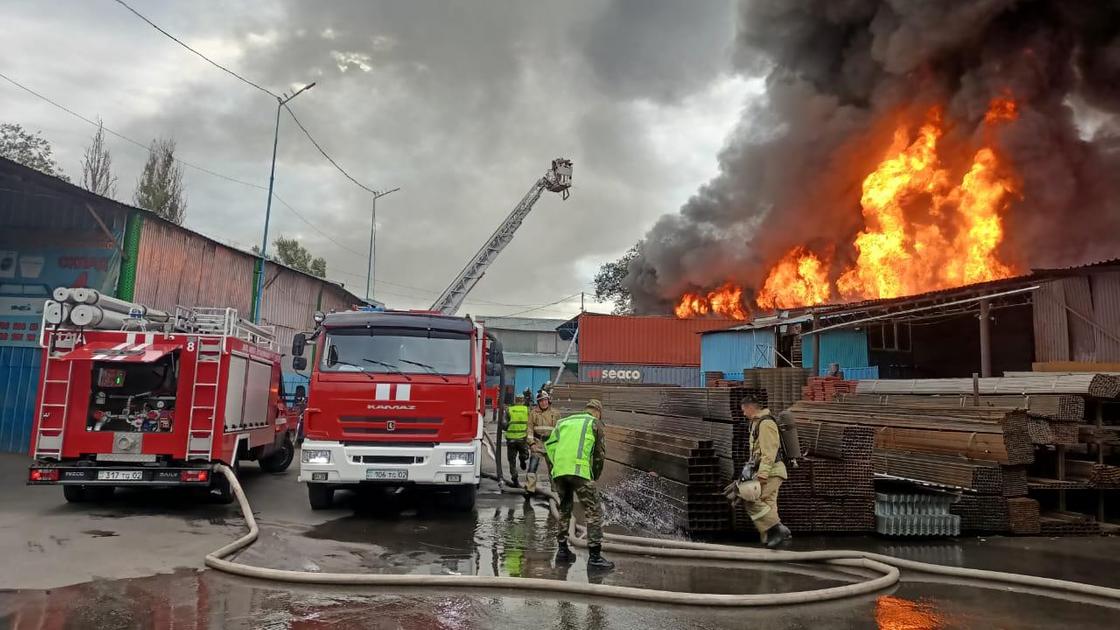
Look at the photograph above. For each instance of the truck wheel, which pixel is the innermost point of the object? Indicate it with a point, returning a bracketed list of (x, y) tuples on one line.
[(463, 498), (320, 496), (279, 461), (220, 490), (74, 494)]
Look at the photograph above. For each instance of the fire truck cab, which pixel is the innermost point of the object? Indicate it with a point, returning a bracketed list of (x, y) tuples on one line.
[(157, 404), (396, 398)]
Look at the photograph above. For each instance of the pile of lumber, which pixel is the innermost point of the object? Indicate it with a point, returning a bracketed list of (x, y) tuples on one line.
[(827, 388)]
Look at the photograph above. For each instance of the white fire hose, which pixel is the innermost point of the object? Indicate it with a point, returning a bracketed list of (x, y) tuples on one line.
[(886, 566)]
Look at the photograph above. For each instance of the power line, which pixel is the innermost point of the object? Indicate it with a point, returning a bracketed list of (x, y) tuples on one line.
[(257, 86), (324, 153), (204, 57), (541, 306)]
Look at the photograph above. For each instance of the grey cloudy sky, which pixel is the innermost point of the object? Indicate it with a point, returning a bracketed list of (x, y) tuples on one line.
[(461, 104)]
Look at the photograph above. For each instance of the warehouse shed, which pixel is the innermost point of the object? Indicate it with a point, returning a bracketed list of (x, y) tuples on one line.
[(53, 233)]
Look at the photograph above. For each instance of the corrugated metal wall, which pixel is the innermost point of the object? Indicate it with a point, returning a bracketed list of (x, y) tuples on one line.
[(1078, 319), (733, 351), (177, 267), (19, 382), (624, 374), (846, 347), (644, 340)]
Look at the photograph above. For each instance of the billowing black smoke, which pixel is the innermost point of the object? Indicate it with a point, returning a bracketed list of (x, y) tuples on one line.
[(839, 73)]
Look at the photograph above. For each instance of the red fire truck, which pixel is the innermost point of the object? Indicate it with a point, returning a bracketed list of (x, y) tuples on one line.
[(396, 398), (131, 396)]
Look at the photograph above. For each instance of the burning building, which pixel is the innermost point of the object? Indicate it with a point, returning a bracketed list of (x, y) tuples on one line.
[(900, 148)]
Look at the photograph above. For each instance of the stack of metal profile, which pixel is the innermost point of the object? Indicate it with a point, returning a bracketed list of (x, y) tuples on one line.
[(915, 514)]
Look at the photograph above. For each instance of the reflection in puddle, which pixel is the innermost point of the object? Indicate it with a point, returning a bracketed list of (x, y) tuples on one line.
[(896, 613)]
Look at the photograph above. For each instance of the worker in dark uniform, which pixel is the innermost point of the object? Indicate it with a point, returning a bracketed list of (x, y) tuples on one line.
[(766, 466), (577, 452), (517, 428)]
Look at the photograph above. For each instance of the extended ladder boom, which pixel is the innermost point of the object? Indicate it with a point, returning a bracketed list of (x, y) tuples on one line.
[(557, 179)]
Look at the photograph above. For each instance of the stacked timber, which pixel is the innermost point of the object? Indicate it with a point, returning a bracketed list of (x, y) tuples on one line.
[(827, 388), (981, 451), (831, 490)]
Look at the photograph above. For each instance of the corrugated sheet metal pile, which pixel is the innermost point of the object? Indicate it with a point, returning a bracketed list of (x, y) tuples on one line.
[(671, 449)]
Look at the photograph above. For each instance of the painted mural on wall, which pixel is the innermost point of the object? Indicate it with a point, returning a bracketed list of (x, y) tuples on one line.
[(34, 262)]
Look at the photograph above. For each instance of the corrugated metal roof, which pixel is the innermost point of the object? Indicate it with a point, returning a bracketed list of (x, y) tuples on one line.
[(645, 340), (531, 359), (529, 324)]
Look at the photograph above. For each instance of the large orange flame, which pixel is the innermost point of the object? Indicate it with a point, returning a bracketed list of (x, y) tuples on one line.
[(925, 228), (726, 301), (800, 278)]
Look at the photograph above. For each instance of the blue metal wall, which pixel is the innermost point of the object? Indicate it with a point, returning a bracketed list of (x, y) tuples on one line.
[(531, 378), (733, 351), (19, 382), (846, 347)]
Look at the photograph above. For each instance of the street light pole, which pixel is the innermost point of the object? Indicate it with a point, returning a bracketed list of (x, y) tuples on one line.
[(281, 101), (370, 277)]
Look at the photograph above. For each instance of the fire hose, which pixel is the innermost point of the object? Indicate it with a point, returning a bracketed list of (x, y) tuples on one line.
[(887, 568)]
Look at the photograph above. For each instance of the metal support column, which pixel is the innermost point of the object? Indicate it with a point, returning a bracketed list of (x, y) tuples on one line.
[(816, 349), (985, 338)]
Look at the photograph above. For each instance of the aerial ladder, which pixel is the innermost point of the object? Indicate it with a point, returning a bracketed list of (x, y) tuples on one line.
[(558, 178)]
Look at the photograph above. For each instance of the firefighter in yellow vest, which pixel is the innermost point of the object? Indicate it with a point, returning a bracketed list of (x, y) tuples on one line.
[(577, 451), (517, 428), (765, 466), (542, 419)]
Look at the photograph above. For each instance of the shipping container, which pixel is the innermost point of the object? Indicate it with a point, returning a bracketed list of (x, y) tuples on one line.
[(631, 374), (644, 340)]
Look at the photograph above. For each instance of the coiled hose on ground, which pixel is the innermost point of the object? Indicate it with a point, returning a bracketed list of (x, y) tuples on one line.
[(886, 568)]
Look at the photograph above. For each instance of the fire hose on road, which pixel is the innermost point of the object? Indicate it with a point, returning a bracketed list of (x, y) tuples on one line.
[(886, 567)]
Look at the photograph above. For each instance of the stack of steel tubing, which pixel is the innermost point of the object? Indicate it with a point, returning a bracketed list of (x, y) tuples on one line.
[(1087, 384), (1068, 524), (783, 386), (984, 477)]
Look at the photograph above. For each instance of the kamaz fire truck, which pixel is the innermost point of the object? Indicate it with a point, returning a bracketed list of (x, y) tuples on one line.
[(399, 397), (131, 396), (396, 398)]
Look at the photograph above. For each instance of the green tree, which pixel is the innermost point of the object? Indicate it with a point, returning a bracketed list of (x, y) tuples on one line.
[(288, 251), (29, 149), (160, 188), (97, 166), (609, 285)]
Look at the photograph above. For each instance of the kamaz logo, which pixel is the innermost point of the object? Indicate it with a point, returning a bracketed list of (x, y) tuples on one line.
[(391, 407), (391, 425)]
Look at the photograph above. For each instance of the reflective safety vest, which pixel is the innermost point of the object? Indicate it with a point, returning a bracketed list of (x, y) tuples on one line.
[(570, 446), (518, 422)]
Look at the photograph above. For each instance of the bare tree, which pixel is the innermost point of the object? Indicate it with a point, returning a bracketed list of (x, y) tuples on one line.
[(97, 166), (160, 188)]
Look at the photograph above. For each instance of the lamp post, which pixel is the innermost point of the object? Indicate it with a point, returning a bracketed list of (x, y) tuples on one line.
[(281, 101), (370, 277)]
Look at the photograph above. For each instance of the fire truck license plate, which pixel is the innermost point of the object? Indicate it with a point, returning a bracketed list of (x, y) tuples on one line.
[(120, 475), (390, 475)]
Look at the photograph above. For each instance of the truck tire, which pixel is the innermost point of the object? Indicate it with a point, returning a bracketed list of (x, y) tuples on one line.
[(74, 494), (279, 461), (320, 496), (220, 490), (462, 498)]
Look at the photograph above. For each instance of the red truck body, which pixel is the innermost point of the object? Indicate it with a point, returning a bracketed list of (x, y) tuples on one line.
[(396, 398), (119, 408)]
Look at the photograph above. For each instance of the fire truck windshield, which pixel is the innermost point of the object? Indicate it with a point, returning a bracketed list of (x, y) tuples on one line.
[(397, 350)]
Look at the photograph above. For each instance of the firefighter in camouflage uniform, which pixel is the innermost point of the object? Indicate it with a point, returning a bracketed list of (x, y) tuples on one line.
[(577, 451)]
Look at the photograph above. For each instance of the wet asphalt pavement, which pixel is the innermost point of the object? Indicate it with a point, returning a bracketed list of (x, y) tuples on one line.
[(137, 563)]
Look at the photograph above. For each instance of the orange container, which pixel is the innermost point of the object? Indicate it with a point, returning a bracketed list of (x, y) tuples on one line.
[(644, 340)]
